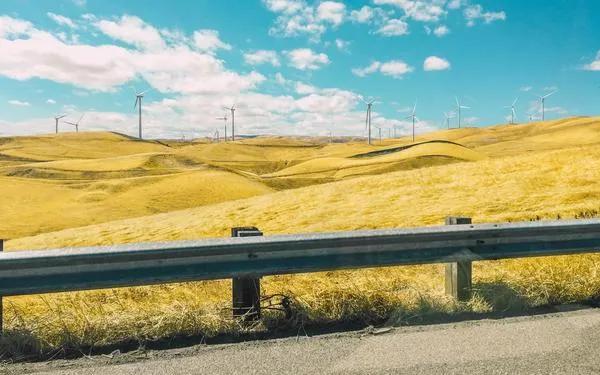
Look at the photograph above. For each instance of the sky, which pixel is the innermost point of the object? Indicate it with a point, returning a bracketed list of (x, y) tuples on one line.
[(293, 67)]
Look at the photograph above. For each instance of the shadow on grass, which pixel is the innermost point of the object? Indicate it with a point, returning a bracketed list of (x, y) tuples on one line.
[(499, 299)]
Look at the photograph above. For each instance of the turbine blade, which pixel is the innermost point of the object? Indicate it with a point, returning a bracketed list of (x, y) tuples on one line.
[(144, 92), (465, 107), (515, 102), (137, 98), (457, 102), (547, 95), (415, 107)]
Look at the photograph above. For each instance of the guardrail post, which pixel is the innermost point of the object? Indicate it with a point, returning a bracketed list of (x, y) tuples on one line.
[(458, 274), (246, 290)]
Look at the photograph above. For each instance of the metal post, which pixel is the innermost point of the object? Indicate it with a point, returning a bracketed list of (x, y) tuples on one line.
[(246, 290), (458, 274)]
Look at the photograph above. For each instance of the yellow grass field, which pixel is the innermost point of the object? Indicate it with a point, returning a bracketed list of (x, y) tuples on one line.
[(55, 192)]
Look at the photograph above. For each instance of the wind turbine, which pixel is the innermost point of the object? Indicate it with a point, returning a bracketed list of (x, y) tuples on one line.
[(138, 99), (232, 109), (56, 118), (379, 129), (413, 116), (543, 102), (447, 117), (459, 107), (225, 126), (368, 118), (75, 124), (513, 113)]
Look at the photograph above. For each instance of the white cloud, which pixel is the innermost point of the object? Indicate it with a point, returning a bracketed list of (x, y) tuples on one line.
[(363, 15), (18, 103), (303, 89), (526, 88), (13, 27), (283, 6), (51, 101), (175, 68), (557, 110), (331, 11), (395, 68), (419, 10), (79, 3), (306, 59), (433, 63), (341, 44), (594, 65), (279, 78), (440, 31), (262, 57), (296, 17), (372, 68), (470, 120), (393, 27), (132, 30), (475, 12), (62, 20), (208, 40), (455, 4)]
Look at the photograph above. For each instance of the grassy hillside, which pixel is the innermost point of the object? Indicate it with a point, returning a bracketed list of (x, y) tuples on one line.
[(505, 173)]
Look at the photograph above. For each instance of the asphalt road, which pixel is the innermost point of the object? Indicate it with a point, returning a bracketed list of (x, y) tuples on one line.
[(557, 343)]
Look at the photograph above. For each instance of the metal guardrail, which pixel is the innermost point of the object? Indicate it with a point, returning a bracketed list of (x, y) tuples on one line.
[(70, 269)]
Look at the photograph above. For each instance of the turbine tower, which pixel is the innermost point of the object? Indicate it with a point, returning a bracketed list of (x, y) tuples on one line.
[(75, 124), (513, 113), (232, 109), (413, 116), (225, 126), (368, 118), (543, 103), (56, 118), (138, 99), (459, 107)]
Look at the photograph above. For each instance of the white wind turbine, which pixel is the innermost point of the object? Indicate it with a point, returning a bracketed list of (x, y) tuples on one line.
[(368, 118), (75, 124), (447, 117), (225, 126), (543, 102), (513, 113), (56, 118), (232, 109), (459, 107), (379, 129), (414, 117), (138, 102)]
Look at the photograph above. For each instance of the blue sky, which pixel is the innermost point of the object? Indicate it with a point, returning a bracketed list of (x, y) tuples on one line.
[(293, 66)]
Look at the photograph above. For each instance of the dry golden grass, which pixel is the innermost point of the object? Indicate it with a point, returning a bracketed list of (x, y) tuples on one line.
[(552, 176)]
